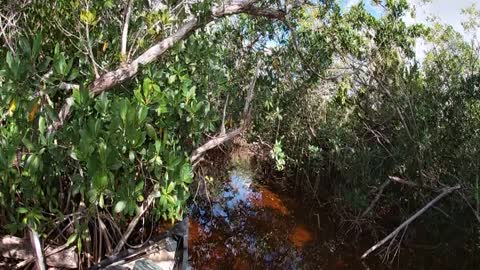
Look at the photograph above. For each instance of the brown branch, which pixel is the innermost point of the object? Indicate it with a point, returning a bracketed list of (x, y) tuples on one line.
[(445, 192), (125, 72)]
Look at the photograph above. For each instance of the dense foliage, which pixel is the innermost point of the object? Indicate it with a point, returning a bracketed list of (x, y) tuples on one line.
[(338, 94)]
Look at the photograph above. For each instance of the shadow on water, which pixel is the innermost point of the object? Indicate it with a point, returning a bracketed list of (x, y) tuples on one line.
[(249, 226)]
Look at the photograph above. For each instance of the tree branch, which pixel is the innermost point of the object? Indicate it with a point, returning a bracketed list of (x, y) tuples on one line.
[(445, 192), (37, 249), (123, 50), (90, 51), (224, 137), (127, 71)]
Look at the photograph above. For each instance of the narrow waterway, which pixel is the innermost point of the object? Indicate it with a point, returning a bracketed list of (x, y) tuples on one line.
[(249, 226)]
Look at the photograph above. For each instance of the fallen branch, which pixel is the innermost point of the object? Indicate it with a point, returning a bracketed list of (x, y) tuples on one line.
[(445, 192)]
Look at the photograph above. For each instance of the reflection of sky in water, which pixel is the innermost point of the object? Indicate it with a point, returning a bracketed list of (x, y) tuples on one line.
[(236, 193), (227, 224), (238, 190)]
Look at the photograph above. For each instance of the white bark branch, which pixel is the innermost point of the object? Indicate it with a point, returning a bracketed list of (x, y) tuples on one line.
[(377, 197), (215, 142), (445, 192), (89, 49), (37, 249), (126, 22)]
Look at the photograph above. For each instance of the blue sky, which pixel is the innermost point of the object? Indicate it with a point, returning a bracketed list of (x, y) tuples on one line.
[(369, 6)]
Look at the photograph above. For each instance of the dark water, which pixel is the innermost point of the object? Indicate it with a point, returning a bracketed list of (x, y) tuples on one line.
[(249, 226)]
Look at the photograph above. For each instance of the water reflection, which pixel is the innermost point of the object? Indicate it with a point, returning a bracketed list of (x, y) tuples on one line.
[(246, 226)]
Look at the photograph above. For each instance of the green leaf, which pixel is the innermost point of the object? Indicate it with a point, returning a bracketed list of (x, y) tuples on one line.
[(12, 64), (101, 201), (25, 45), (151, 131), (28, 144), (100, 180), (79, 245), (142, 113), (22, 210), (73, 75), (186, 173), (119, 206), (41, 124), (138, 95), (131, 156), (172, 79), (37, 43), (87, 17), (33, 163), (51, 113), (170, 187), (71, 239), (123, 109), (139, 186)]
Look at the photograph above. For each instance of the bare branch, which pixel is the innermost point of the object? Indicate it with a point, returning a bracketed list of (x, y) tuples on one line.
[(402, 181), (37, 249), (215, 142), (377, 197), (89, 49), (222, 128), (445, 192), (126, 22)]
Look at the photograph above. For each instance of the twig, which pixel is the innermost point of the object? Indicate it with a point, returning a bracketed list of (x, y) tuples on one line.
[(126, 22), (3, 28), (47, 254), (445, 192), (68, 86)]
